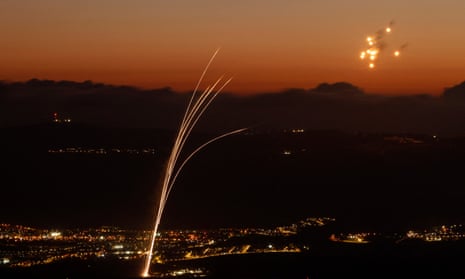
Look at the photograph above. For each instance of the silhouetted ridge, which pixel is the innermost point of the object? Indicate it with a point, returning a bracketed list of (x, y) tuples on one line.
[(66, 87), (454, 92), (338, 106), (338, 87)]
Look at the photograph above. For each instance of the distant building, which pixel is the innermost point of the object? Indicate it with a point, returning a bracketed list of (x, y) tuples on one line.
[(56, 119)]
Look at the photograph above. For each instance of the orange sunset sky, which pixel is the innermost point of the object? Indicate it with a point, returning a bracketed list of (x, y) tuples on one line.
[(267, 45)]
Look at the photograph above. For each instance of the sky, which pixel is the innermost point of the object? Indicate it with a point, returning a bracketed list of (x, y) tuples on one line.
[(266, 45)]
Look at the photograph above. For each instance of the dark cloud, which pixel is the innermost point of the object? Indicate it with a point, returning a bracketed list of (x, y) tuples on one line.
[(340, 106)]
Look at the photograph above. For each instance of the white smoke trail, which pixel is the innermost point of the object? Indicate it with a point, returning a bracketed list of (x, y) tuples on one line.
[(194, 110)]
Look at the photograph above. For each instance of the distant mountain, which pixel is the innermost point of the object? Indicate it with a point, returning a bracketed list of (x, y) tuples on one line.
[(338, 88), (340, 106), (455, 92)]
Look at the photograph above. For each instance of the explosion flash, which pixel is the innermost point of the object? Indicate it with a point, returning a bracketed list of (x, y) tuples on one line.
[(376, 44), (196, 107)]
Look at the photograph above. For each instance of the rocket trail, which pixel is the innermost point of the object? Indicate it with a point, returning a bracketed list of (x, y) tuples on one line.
[(195, 109), (200, 148)]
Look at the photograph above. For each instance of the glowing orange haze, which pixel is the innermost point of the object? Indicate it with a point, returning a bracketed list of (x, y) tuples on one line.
[(266, 45)]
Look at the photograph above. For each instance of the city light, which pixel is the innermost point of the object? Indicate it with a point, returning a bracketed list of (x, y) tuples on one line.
[(35, 247)]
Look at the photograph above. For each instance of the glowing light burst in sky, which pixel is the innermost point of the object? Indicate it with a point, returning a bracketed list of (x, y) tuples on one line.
[(376, 44), (196, 107)]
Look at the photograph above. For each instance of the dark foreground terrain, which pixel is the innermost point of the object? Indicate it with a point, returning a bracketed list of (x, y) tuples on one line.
[(409, 259), (76, 175)]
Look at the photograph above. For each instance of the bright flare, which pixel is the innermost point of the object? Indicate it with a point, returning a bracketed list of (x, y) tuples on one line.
[(376, 44)]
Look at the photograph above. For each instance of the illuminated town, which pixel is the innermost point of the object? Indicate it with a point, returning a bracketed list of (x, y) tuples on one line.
[(43, 246), (23, 247), (103, 151)]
